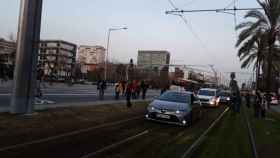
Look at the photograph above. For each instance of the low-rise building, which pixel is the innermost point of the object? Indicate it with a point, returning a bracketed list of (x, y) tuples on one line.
[(7, 57), (7, 52), (153, 59), (57, 58)]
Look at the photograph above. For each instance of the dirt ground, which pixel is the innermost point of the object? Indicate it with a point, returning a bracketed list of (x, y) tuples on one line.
[(161, 141), (16, 129)]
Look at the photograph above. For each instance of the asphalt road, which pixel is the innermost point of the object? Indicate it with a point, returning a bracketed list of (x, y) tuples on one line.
[(61, 93)]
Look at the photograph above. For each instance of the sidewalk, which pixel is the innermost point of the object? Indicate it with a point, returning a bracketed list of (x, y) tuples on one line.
[(81, 104)]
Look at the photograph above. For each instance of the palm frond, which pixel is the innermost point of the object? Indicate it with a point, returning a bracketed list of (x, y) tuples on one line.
[(257, 15), (246, 63)]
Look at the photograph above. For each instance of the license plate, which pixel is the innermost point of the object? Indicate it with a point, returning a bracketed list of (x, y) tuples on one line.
[(163, 116)]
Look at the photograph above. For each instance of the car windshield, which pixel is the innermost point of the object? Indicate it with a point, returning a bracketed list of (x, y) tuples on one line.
[(206, 93), (224, 94), (174, 97)]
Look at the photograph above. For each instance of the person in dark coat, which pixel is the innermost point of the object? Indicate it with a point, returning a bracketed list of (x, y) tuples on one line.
[(247, 98), (101, 86), (257, 105), (128, 92), (235, 93), (144, 88)]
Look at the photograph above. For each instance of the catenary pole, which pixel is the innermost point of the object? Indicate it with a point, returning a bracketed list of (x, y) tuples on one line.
[(27, 56)]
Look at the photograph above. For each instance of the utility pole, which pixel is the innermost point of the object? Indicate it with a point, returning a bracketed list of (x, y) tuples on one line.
[(27, 56)]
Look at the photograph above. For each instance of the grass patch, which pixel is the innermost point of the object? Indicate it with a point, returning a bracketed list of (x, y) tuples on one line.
[(229, 139), (164, 141), (267, 132)]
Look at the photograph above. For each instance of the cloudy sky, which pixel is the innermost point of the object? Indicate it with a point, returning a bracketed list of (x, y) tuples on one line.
[(85, 22)]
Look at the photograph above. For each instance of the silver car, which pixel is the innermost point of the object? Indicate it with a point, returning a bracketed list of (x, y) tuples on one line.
[(174, 107)]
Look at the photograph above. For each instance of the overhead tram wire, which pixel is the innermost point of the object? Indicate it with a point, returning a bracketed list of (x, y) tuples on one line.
[(211, 10), (189, 26)]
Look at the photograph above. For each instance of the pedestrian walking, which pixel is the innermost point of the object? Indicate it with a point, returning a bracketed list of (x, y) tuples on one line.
[(123, 88), (235, 93), (268, 99), (138, 89), (101, 86), (248, 99), (257, 105), (40, 75), (144, 88), (128, 92), (134, 87), (265, 104), (117, 90)]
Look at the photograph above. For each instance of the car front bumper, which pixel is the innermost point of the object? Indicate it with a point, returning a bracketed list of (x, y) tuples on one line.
[(180, 119)]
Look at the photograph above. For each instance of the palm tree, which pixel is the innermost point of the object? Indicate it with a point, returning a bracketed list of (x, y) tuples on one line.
[(259, 37), (252, 49)]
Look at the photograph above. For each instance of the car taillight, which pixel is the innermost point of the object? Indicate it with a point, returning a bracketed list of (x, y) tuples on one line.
[(214, 99)]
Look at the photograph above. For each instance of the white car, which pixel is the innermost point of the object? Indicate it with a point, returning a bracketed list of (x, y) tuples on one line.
[(208, 97)]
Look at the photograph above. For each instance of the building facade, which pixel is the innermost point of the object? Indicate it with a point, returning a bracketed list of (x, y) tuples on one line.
[(57, 58), (7, 58), (90, 57), (153, 59)]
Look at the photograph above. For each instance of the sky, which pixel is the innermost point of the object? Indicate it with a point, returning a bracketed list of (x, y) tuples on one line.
[(86, 22)]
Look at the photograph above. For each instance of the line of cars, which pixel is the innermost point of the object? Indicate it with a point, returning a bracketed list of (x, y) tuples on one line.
[(182, 107)]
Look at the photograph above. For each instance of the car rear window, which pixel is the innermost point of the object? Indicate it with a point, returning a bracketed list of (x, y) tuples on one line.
[(175, 97), (206, 93)]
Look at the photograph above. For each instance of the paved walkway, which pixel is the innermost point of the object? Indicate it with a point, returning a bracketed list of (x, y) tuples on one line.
[(50, 106)]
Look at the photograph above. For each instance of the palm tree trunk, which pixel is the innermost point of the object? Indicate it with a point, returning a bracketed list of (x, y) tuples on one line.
[(257, 73), (269, 65)]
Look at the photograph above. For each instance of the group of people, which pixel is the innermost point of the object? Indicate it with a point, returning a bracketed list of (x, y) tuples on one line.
[(261, 103), (128, 89), (131, 90), (261, 100)]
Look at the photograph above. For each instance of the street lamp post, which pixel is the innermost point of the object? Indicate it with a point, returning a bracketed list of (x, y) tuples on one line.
[(107, 48)]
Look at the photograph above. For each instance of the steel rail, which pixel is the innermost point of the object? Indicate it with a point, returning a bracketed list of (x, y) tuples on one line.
[(251, 135), (197, 143)]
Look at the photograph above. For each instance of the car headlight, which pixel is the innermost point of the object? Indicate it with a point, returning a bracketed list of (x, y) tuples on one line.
[(178, 112), (228, 99), (152, 108)]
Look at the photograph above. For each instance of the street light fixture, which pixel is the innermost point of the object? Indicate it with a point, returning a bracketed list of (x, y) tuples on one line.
[(107, 48)]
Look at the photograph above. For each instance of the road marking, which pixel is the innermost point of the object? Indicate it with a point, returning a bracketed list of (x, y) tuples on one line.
[(60, 94), (116, 144), (67, 134), (71, 94)]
